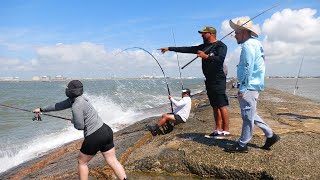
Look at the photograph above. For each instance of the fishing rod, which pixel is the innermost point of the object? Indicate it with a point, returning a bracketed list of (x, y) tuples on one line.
[(37, 116), (174, 40), (296, 86), (212, 46), (164, 75)]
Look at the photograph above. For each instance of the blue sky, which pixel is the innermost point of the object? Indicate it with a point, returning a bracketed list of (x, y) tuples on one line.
[(80, 39)]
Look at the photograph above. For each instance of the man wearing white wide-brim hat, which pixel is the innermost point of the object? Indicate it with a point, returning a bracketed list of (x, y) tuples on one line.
[(250, 74)]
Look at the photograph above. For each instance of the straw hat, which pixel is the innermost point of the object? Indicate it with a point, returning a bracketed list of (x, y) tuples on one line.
[(243, 24)]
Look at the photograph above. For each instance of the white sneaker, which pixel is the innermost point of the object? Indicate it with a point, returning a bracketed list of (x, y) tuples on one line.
[(223, 135), (214, 134)]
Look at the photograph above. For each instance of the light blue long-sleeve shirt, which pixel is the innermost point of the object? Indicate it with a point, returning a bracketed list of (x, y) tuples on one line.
[(251, 68)]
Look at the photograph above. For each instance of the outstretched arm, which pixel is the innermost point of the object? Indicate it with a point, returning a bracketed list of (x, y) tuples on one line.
[(190, 49), (55, 107)]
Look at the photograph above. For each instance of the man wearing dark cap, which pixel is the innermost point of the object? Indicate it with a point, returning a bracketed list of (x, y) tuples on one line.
[(213, 53)]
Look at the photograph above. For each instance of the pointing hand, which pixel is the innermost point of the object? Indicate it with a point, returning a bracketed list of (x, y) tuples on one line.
[(163, 50)]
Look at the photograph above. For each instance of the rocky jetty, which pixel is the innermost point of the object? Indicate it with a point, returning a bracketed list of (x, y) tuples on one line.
[(186, 154)]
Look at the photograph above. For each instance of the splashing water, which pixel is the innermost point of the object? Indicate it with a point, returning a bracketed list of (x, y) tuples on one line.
[(119, 103)]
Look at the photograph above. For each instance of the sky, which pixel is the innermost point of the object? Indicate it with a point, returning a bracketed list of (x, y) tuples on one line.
[(86, 39)]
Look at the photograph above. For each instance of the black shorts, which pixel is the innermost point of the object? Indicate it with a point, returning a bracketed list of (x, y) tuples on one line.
[(217, 100), (100, 140), (178, 119)]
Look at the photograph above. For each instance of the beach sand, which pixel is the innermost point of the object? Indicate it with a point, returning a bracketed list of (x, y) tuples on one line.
[(186, 154)]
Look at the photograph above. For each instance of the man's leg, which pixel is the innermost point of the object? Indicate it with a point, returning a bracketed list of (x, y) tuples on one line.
[(218, 123), (263, 126), (155, 129), (248, 111), (225, 118), (217, 118), (213, 99), (165, 118), (272, 138)]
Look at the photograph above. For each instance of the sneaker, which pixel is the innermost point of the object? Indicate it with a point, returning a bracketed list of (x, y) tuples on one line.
[(212, 135), (167, 128), (223, 135), (270, 141), (153, 129), (237, 149)]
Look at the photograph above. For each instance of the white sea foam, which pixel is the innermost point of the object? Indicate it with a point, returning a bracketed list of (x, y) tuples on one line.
[(116, 105), (36, 147), (112, 114)]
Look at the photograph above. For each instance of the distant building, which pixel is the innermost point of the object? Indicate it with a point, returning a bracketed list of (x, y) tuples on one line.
[(45, 78), (9, 79), (152, 77), (59, 78), (146, 77), (16, 78), (35, 78)]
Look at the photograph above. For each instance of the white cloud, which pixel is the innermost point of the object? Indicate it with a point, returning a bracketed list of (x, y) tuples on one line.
[(291, 35), (94, 60), (84, 53), (287, 37), (8, 62), (293, 26), (12, 64), (34, 62)]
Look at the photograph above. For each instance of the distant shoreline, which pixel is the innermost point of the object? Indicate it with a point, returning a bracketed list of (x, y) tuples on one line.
[(137, 78)]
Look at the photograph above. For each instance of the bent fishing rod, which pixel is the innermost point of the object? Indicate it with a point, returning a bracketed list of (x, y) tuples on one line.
[(296, 87), (212, 46), (37, 117), (174, 40), (164, 75)]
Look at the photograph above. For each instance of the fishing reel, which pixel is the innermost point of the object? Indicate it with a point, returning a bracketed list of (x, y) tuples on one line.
[(37, 117)]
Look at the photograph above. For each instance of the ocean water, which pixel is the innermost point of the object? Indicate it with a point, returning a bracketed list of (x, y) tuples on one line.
[(307, 87), (119, 103)]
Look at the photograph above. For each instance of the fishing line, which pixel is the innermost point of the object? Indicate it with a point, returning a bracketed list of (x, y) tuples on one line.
[(31, 111), (164, 75), (212, 46), (174, 40)]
